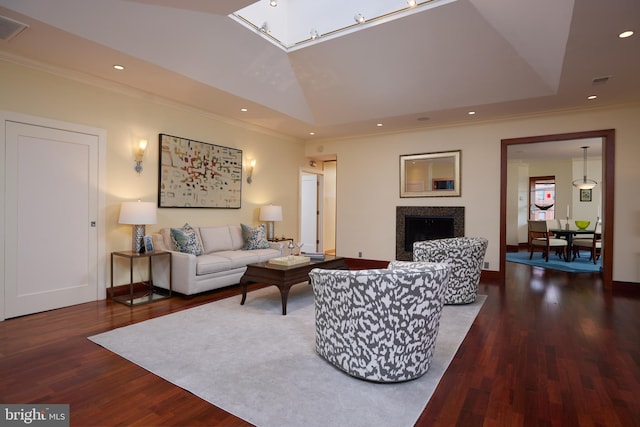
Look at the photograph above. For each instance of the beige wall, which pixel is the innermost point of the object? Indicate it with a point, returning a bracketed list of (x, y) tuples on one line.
[(367, 167), (368, 180), (127, 115)]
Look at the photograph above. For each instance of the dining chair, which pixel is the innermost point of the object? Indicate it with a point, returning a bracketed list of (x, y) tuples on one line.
[(593, 244), (541, 240)]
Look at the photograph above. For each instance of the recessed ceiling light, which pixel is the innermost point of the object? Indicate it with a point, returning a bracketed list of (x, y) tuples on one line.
[(592, 96), (625, 34), (379, 125), (119, 67), (471, 113), (244, 110), (412, 3), (312, 133)]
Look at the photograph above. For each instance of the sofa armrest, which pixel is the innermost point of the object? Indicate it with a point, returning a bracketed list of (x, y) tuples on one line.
[(183, 269)]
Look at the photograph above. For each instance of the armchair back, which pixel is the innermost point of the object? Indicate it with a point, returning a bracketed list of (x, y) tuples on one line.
[(464, 255), (380, 325)]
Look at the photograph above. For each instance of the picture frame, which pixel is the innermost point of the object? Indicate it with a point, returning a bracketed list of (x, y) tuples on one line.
[(195, 174), (430, 174), (148, 243), (585, 194)]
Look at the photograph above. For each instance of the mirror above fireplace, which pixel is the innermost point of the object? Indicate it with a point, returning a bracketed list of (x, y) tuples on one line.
[(430, 174)]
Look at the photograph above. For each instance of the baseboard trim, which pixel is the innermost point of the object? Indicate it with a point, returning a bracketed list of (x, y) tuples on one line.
[(631, 288), (364, 264)]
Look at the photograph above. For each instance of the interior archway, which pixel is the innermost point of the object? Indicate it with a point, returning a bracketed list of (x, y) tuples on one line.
[(608, 162)]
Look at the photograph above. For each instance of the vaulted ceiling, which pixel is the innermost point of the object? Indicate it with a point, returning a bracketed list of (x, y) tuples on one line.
[(498, 58)]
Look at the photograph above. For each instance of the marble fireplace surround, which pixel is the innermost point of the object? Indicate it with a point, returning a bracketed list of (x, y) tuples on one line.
[(427, 211)]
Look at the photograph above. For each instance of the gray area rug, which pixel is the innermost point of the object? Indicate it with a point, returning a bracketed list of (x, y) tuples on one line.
[(262, 367)]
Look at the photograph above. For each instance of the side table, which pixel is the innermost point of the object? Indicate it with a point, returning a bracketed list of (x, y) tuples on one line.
[(152, 293)]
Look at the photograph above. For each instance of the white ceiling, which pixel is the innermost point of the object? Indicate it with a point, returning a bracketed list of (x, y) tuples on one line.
[(500, 58), (555, 150)]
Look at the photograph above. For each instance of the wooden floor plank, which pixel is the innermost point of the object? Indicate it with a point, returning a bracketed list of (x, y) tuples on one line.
[(548, 348)]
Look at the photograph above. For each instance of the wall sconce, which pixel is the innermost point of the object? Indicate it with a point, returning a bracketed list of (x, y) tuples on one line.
[(252, 164), (139, 151)]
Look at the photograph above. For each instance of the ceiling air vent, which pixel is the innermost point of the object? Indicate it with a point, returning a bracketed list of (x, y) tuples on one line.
[(10, 28), (600, 80)]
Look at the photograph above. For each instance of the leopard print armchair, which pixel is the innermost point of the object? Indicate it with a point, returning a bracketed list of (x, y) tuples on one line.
[(465, 255), (379, 325)]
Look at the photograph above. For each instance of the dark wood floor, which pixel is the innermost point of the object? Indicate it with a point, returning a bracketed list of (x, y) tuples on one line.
[(547, 349)]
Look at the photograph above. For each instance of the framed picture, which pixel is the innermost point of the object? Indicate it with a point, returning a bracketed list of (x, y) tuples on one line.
[(585, 194), (148, 244), (196, 174), (430, 174)]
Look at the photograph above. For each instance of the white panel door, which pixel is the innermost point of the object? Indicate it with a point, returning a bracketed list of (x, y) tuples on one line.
[(309, 212), (51, 207)]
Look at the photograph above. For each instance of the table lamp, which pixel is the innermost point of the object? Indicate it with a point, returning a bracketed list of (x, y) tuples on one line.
[(270, 213), (138, 214)]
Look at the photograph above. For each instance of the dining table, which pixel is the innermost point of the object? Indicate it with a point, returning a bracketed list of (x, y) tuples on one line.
[(569, 233)]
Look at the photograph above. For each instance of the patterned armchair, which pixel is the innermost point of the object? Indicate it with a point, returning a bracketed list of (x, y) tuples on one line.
[(465, 255), (379, 325)]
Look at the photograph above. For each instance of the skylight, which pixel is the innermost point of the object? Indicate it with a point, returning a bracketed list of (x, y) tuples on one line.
[(294, 24)]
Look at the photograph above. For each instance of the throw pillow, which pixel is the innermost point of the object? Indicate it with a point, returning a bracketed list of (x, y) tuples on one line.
[(254, 237), (186, 240)]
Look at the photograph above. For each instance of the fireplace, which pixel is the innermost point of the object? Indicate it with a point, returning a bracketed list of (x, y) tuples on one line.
[(417, 223)]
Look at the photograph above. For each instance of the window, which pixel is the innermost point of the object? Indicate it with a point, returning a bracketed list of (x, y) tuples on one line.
[(542, 197)]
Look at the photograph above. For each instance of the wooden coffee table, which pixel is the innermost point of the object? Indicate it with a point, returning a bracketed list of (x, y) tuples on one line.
[(284, 277)]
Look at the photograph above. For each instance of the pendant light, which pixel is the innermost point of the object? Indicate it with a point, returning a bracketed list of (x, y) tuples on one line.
[(584, 183)]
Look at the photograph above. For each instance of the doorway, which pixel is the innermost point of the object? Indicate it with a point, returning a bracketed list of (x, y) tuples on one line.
[(608, 193), (310, 219), (318, 207)]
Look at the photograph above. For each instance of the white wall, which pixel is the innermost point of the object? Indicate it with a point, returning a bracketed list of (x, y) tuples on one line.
[(368, 180), (566, 195), (127, 115)]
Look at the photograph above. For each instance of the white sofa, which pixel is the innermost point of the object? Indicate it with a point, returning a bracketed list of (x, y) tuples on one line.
[(222, 263)]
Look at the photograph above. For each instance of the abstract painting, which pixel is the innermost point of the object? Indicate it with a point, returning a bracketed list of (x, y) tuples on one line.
[(196, 174)]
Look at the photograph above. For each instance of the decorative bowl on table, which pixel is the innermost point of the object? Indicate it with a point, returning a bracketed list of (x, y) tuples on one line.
[(582, 225)]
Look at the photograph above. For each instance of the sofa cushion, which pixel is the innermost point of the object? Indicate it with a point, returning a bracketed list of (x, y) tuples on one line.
[(186, 240), (239, 258), (254, 237), (212, 263), (215, 239), (236, 237)]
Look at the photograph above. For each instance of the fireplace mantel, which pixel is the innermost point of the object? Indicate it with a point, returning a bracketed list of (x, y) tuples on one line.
[(402, 212)]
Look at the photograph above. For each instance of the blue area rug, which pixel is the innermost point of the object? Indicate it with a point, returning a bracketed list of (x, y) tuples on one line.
[(580, 265)]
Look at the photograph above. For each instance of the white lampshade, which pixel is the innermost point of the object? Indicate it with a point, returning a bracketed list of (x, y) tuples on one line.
[(271, 213), (138, 213)]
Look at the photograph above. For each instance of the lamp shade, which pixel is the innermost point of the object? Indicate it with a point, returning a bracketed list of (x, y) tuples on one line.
[(138, 213), (271, 213)]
